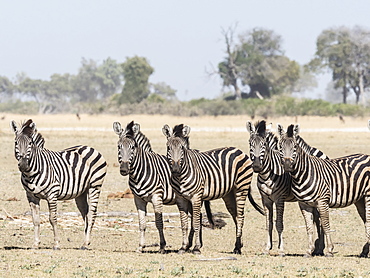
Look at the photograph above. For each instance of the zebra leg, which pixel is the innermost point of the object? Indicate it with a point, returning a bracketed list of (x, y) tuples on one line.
[(362, 207), (52, 203), (306, 211), (87, 204), (183, 206), (196, 202), (280, 225), (141, 209), (35, 210), (158, 210), (268, 206), (323, 208), (235, 204), (320, 241)]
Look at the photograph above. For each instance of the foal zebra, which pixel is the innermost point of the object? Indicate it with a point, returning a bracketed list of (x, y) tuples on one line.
[(275, 185), (199, 176), (329, 183), (149, 178), (74, 173)]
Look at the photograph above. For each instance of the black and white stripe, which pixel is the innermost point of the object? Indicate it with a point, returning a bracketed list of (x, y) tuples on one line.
[(75, 173), (149, 178), (333, 183), (275, 185), (198, 176)]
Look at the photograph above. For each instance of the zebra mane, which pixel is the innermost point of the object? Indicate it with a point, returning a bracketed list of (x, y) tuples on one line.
[(261, 128), (128, 131), (26, 129), (32, 133), (177, 132), (141, 140), (309, 149), (289, 131)]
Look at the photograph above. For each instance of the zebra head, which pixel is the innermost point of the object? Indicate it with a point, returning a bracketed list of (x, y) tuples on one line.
[(26, 140), (127, 147), (177, 143), (288, 146), (258, 143)]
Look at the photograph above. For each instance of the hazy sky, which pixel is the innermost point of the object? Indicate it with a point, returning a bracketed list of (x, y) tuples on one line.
[(179, 38)]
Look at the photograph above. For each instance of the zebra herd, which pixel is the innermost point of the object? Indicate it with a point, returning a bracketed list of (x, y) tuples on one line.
[(287, 168)]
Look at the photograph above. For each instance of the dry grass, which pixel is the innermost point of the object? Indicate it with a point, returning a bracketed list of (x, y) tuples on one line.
[(115, 236)]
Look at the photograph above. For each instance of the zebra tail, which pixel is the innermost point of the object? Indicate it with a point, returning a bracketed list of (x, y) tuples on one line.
[(255, 205), (207, 206)]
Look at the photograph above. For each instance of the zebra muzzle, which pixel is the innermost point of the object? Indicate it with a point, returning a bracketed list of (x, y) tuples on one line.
[(124, 169), (287, 163), (176, 167), (257, 166), (23, 165)]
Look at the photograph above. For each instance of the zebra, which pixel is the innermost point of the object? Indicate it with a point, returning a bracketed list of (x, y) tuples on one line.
[(329, 183), (74, 173), (274, 185), (149, 179), (201, 176)]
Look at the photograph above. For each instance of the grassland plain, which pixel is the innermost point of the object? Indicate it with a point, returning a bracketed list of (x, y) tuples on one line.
[(115, 236)]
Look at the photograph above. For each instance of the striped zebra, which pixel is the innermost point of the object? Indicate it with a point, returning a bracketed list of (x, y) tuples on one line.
[(275, 185), (149, 179), (202, 176), (74, 173), (329, 183)]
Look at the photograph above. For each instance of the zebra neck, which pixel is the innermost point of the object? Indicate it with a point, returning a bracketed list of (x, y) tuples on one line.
[(300, 164), (137, 163), (274, 162)]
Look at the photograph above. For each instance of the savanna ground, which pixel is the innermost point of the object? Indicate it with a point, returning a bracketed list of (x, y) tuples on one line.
[(115, 235)]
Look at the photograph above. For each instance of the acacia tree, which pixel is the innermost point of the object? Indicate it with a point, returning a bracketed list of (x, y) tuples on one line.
[(136, 73), (258, 62), (229, 69), (346, 53), (6, 87)]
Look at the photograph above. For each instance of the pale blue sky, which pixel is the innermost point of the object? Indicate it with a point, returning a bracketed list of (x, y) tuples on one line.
[(179, 38)]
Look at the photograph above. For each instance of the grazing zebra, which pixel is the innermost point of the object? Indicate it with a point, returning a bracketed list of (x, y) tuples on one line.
[(275, 185), (329, 183), (74, 173), (201, 176), (149, 178)]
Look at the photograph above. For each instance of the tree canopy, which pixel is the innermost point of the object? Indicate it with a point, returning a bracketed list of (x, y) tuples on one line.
[(258, 62), (345, 52), (136, 72)]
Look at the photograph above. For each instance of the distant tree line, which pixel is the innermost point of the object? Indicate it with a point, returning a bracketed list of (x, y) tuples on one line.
[(254, 66)]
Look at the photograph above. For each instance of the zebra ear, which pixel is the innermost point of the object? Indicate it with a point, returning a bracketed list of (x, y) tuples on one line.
[(167, 131), (296, 130), (136, 129), (13, 126), (186, 131), (250, 127), (33, 127), (269, 128), (117, 128), (280, 129), (368, 124)]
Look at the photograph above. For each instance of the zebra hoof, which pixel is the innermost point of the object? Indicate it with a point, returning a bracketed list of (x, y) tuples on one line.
[(237, 251), (307, 255), (162, 251), (181, 251), (83, 247), (329, 255), (56, 248), (196, 251), (363, 255)]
